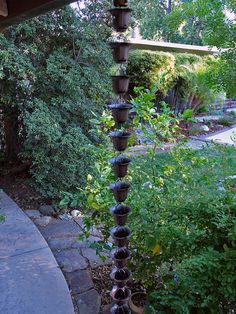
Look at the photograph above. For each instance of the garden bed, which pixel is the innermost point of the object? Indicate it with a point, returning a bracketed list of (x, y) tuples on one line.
[(19, 189)]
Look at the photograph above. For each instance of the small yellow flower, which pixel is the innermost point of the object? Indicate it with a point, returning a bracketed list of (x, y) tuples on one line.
[(89, 178), (160, 182), (157, 249)]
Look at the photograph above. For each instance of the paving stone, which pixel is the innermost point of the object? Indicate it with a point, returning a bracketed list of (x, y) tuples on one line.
[(93, 239), (66, 217), (95, 232), (70, 260), (30, 280), (33, 214), (32, 283), (60, 229), (94, 260), (79, 281), (107, 309), (18, 234), (89, 302), (79, 221), (43, 221), (70, 243), (86, 243), (47, 210), (62, 244)]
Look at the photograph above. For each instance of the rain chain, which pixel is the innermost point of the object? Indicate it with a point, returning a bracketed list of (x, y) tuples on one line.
[(120, 111)]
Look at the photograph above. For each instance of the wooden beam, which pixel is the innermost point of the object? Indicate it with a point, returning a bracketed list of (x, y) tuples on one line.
[(20, 10), (3, 8), (173, 47)]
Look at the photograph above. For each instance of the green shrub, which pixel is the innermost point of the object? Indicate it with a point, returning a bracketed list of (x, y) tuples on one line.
[(183, 222), (147, 68), (227, 121), (183, 226), (54, 80), (184, 78), (61, 155)]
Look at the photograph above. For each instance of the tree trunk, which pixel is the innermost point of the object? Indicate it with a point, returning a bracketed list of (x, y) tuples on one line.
[(11, 136)]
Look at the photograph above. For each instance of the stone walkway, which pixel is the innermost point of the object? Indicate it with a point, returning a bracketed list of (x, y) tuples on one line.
[(30, 280), (196, 142), (75, 258), (226, 137)]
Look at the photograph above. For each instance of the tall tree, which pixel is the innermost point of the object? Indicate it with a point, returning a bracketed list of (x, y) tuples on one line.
[(218, 18), (151, 17)]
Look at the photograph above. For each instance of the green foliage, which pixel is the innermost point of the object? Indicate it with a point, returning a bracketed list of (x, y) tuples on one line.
[(195, 22), (187, 79), (151, 17), (183, 226), (218, 20), (156, 127), (227, 120), (147, 68), (182, 221), (54, 78)]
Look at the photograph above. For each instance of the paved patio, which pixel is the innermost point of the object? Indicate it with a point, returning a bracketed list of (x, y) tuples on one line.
[(30, 280)]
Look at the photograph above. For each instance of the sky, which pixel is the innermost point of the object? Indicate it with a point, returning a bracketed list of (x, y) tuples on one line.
[(75, 4)]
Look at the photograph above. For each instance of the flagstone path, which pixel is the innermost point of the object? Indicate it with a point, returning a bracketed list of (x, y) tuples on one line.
[(30, 280), (226, 137), (74, 257)]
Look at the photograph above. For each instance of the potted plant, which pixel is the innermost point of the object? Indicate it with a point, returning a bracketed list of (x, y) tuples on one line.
[(121, 18), (137, 302), (120, 3), (120, 190), (120, 235), (120, 140), (120, 84), (120, 165), (120, 276), (121, 257), (120, 214), (120, 112), (120, 51)]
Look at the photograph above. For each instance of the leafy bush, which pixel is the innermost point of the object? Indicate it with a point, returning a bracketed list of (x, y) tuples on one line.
[(54, 79), (227, 120), (183, 222), (183, 227), (147, 68), (185, 80)]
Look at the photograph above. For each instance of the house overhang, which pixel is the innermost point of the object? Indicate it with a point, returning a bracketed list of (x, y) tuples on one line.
[(16, 11)]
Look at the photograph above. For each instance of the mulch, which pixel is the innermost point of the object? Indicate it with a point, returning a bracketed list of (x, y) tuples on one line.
[(213, 127), (19, 189)]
